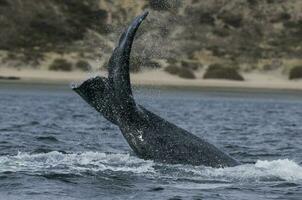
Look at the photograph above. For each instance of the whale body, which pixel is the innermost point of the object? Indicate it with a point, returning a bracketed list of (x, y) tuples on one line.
[(150, 136)]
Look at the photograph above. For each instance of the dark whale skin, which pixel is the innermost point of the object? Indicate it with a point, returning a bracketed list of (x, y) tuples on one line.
[(150, 136)]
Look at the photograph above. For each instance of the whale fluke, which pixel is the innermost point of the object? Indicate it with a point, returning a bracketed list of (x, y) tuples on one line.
[(149, 136), (120, 60)]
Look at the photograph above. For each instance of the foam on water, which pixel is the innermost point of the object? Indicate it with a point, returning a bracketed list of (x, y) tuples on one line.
[(74, 163), (275, 170), (78, 163)]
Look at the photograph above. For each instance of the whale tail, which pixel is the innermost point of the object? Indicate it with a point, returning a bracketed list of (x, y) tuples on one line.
[(119, 63), (112, 96)]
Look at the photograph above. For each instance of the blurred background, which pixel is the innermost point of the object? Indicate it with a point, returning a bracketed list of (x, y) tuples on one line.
[(252, 40)]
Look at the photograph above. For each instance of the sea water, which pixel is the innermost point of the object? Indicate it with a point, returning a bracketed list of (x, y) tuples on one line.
[(54, 146)]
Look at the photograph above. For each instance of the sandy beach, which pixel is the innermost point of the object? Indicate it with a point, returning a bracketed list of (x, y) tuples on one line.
[(158, 78)]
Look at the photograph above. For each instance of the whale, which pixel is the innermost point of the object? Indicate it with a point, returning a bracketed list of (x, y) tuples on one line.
[(150, 136)]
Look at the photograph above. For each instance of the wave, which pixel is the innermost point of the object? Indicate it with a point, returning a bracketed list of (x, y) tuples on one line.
[(95, 162)]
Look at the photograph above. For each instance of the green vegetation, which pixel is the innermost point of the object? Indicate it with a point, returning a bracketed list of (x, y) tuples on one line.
[(9, 78), (186, 73), (217, 71), (48, 24), (231, 19), (295, 73), (135, 64), (163, 5), (190, 64), (151, 64), (3, 3), (172, 69), (181, 72), (60, 65), (249, 32), (83, 65)]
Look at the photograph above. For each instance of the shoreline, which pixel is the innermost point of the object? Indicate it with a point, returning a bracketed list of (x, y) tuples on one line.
[(157, 79)]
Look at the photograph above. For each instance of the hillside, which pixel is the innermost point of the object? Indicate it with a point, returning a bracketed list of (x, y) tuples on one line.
[(247, 34)]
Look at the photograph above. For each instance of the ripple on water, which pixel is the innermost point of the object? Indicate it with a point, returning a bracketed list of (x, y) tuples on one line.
[(47, 138), (62, 121)]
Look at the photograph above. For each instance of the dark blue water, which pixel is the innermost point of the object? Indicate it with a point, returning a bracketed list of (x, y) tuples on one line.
[(54, 146)]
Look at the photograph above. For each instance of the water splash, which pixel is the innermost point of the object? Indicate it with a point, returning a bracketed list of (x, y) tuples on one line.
[(276, 170), (91, 162), (75, 163)]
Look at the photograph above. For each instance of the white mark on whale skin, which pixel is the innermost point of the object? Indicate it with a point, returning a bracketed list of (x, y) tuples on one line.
[(140, 136)]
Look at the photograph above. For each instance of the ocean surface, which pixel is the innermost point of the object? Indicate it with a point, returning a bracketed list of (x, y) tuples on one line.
[(54, 146)]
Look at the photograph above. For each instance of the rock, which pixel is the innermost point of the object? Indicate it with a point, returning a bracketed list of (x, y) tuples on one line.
[(217, 71), (60, 65), (296, 72)]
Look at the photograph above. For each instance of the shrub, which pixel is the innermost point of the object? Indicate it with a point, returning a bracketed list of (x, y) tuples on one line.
[(172, 61), (60, 65), (9, 78), (4, 3), (162, 5), (267, 67), (135, 64), (234, 20), (221, 32), (217, 51), (217, 71), (253, 2), (27, 25), (32, 57), (192, 65), (172, 70), (11, 56), (152, 64), (181, 72), (186, 73), (275, 64), (206, 18), (83, 65), (159, 4), (281, 17), (105, 65), (296, 72)]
